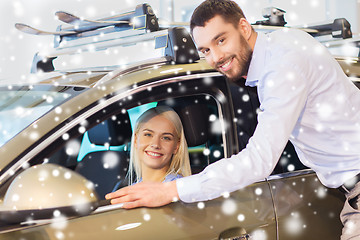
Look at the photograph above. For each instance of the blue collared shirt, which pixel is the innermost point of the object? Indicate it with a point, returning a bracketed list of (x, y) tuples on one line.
[(306, 98)]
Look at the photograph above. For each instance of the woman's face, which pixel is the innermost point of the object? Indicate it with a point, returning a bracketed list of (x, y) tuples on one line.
[(156, 142)]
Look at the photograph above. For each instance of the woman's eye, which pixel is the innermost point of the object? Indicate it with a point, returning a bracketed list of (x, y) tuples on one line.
[(167, 138), (147, 134)]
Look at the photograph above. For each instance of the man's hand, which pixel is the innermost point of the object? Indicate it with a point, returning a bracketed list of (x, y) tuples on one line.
[(145, 194)]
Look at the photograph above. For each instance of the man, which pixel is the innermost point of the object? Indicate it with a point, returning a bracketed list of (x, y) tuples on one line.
[(304, 97)]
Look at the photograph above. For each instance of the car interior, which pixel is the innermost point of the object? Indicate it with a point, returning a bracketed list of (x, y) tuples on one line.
[(102, 153)]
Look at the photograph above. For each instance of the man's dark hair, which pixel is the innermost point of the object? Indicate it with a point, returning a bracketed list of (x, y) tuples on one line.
[(229, 10)]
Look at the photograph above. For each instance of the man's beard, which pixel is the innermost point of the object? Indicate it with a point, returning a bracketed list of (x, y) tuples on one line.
[(244, 59), (244, 70)]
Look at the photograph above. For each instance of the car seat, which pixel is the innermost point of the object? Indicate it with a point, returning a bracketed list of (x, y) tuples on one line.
[(194, 115), (106, 167)]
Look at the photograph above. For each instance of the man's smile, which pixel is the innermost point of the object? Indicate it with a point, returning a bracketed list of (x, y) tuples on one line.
[(227, 65)]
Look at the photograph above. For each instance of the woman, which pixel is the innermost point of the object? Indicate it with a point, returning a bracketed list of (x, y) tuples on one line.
[(159, 150)]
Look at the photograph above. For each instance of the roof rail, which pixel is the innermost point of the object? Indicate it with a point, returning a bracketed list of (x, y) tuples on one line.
[(142, 18), (275, 17), (337, 44), (176, 43), (339, 28), (121, 30)]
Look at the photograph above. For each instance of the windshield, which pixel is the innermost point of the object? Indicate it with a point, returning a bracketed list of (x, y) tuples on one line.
[(22, 105)]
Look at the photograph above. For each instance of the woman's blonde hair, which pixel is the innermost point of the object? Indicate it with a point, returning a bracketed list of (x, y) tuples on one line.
[(180, 163)]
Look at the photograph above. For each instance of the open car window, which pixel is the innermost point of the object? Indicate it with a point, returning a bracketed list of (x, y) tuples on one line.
[(246, 104), (102, 153), (105, 131)]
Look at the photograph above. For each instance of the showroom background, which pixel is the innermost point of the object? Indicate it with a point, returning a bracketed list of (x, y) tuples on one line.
[(17, 49)]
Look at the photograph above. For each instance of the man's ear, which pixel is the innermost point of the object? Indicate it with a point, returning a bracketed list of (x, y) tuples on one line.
[(245, 28)]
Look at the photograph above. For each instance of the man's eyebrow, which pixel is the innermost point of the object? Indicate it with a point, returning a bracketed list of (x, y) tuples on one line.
[(217, 36), (212, 40)]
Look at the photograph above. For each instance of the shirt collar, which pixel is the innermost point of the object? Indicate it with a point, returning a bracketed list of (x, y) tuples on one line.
[(257, 62)]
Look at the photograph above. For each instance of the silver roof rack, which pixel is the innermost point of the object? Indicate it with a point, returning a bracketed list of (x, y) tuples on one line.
[(333, 34), (125, 29), (339, 28)]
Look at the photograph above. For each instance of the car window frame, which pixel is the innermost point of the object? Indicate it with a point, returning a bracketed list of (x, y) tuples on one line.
[(218, 90)]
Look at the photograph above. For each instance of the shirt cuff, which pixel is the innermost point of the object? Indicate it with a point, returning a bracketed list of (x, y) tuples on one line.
[(188, 188)]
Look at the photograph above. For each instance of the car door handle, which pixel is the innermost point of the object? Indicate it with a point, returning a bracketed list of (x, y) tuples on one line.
[(235, 233), (243, 237)]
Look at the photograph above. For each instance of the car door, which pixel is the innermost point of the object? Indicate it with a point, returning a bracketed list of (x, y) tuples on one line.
[(234, 215), (305, 209)]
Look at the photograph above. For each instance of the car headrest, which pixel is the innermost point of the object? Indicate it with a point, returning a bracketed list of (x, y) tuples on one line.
[(194, 117), (115, 131), (195, 120)]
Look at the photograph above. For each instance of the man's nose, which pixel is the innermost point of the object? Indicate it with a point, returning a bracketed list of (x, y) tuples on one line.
[(217, 55)]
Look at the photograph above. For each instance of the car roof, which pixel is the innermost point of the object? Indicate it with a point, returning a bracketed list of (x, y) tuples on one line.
[(92, 77)]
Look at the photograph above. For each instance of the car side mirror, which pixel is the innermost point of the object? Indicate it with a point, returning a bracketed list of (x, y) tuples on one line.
[(47, 191)]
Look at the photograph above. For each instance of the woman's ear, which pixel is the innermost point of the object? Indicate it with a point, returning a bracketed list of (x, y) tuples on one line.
[(135, 138), (177, 147)]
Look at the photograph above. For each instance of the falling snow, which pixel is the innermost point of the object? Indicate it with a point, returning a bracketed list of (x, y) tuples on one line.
[(294, 224), (110, 160), (17, 58), (201, 205), (229, 207), (72, 148)]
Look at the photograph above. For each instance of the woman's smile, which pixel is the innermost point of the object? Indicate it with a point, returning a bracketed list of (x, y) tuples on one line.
[(153, 154)]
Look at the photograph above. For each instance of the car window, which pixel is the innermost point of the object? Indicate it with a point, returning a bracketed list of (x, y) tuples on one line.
[(246, 105), (102, 153), (105, 132), (21, 106), (288, 161)]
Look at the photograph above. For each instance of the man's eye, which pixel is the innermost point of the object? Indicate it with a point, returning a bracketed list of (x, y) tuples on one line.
[(205, 51), (221, 41)]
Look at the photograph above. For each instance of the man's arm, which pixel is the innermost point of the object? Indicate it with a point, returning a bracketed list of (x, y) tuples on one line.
[(145, 194), (284, 93)]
